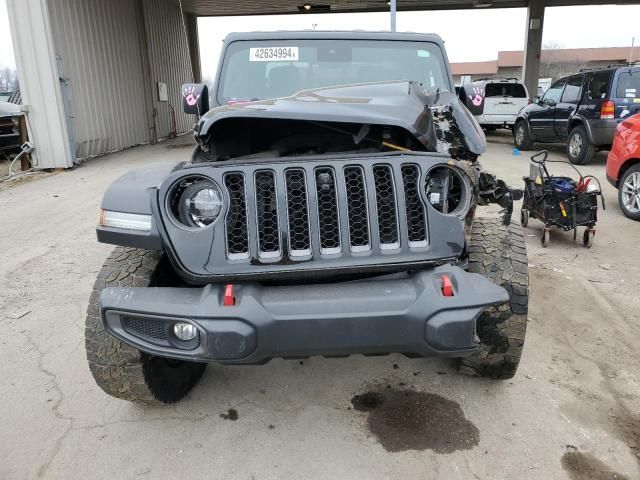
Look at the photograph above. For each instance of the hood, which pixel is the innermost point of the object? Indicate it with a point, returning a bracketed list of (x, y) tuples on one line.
[(9, 109), (438, 120)]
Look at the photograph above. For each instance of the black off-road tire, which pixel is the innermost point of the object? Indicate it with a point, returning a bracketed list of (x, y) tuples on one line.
[(587, 150), (499, 253), (119, 369), (522, 142)]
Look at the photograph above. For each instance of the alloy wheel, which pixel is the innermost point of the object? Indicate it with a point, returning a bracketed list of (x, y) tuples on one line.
[(575, 145), (519, 135), (631, 193)]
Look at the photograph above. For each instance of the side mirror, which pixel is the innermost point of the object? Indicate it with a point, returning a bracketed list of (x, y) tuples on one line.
[(537, 99), (195, 98)]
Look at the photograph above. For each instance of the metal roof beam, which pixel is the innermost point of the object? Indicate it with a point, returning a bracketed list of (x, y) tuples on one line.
[(291, 7)]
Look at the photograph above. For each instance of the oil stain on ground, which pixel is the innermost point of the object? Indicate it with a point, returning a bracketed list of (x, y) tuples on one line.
[(584, 466), (627, 424), (628, 427), (408, 420), (232, 414)]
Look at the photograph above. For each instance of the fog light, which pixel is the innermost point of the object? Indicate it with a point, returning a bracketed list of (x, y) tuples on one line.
[(185, 331)]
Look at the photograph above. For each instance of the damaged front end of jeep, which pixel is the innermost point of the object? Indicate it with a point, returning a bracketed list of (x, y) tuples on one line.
[(331, 222), (364, 194)]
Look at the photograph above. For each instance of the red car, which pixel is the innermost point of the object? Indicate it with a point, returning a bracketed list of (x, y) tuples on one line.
[(623, 166)]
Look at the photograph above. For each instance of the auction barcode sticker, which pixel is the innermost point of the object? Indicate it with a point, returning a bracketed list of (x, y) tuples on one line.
[(269, 54)]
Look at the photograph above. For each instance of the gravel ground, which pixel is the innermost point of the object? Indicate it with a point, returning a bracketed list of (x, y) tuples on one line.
[(571, 412)]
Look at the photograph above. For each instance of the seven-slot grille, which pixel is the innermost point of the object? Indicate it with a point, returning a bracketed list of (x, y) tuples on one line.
[(346, 209)]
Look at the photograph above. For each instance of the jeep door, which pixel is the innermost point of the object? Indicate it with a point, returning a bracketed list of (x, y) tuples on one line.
[(541, 119), (568, 105)]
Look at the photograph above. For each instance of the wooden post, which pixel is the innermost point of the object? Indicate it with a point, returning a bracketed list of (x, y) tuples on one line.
[(25, 160)]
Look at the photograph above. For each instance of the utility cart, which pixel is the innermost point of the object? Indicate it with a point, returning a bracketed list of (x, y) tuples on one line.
[(560, 202)]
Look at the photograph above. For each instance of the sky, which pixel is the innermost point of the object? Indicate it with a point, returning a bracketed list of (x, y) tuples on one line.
[(469, 35)]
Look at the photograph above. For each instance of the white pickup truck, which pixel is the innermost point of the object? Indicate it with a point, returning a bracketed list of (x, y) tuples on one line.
[(495, 102)]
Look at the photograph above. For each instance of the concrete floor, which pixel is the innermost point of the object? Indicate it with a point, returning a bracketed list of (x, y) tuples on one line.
[(572, 411)]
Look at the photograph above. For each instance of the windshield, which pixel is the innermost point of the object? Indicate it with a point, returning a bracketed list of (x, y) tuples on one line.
[(256, 70)]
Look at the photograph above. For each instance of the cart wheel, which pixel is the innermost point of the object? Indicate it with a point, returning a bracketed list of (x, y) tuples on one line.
[(545, 238), (524, 218), (587, 238)]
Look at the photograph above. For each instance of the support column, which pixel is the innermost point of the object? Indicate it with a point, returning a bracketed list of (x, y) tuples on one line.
[(40, 82), (533, 45), (191, 23), (392, 13)]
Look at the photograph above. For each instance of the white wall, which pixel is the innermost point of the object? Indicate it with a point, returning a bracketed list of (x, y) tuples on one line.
[(102, 55), (35, 61), (113, 53), (169, 60)]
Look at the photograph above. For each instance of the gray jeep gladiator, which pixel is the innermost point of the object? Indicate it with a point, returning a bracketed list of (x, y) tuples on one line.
[(327, 209)]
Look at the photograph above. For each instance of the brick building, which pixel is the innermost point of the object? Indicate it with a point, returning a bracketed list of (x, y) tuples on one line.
[(553, 63)]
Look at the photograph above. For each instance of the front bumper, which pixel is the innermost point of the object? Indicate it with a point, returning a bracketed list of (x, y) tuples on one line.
[(399, 314)]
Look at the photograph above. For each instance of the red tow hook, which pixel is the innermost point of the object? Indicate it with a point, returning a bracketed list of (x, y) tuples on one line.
[(447, 286), (229, 298)]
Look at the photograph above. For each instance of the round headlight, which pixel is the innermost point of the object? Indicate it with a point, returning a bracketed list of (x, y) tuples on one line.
[(448, 190), (200, 204)]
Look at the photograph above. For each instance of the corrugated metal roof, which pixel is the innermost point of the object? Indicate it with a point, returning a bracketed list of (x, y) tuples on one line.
[(270, 7)]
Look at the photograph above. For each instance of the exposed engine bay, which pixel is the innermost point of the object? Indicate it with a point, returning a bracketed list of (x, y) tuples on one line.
[(381, 116), (263, 138)]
